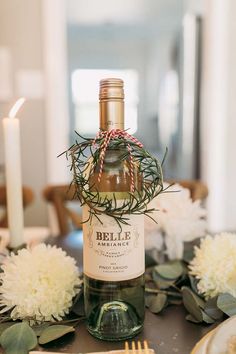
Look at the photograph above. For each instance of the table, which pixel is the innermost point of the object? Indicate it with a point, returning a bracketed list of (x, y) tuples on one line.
[(166, 333)]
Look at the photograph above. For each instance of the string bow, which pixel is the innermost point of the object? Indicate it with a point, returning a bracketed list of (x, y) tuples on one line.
[(114, 134)]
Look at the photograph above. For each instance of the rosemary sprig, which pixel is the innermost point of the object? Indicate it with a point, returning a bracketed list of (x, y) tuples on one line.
[(85, 160)]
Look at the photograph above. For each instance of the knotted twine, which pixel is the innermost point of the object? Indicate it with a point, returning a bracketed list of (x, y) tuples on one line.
[(114, 134)]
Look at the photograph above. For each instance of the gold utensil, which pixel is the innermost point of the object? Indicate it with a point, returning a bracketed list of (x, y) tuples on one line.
[(137, 347)]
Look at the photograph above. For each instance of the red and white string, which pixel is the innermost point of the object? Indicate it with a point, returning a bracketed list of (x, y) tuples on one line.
[(114, 134)]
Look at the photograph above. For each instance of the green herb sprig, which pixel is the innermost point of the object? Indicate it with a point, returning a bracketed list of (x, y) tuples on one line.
[(84, 157)]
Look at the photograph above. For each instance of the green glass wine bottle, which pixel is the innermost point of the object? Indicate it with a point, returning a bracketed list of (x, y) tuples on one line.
[(114, 256)]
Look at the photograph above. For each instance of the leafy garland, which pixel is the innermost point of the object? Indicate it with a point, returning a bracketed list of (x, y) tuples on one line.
[(85, 157), (171, 283), (167, 284)]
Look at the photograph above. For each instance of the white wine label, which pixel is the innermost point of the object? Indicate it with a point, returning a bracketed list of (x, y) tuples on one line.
[(111, 253)]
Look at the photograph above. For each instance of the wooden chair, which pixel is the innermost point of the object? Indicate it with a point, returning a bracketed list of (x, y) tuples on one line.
[(28, 197), (198, 190), (59, 196)]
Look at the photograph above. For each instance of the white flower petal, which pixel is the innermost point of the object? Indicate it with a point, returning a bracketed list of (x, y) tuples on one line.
[(39, 283), (214, 265), (178, 217)]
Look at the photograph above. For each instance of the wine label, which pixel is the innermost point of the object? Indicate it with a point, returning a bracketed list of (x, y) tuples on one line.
[(111, 253)]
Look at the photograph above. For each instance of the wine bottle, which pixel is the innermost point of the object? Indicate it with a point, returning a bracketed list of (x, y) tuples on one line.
[(113, 254)]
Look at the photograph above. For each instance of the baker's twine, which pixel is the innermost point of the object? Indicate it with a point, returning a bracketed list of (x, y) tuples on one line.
[(114, 134)]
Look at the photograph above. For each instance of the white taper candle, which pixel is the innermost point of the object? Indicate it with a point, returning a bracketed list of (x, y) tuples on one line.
[(11, 133)]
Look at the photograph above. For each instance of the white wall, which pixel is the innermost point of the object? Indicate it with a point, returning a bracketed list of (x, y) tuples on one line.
[(35, 34), (21, 33), (129, 12), (56, 89), (219, 113), (21, 30)]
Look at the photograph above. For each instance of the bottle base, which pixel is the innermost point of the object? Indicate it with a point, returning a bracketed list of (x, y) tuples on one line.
[(114, 339), (114, 321)]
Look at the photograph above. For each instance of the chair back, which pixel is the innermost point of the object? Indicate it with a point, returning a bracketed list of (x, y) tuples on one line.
[(59, 196), (28, 197)]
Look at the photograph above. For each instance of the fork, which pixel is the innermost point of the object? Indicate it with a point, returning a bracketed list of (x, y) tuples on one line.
[(139, 349)]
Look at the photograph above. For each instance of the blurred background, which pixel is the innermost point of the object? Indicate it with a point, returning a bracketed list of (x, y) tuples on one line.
[(177, 58)]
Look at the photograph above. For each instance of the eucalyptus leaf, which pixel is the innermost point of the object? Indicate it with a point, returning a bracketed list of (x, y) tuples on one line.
[(72, 322), (212, 310), (207, 318), (160, 282), (149, 260), (190, 318), (227, 304), (38, 329), (181, 281), (170, 270), (18, 339), (185, 269), (188, 255), (149, 299), (193, 303), (193, 282), (158, 303), (78, 306), (174, 301), (5, 325), (54, 332), (148, 277), (201, 303)]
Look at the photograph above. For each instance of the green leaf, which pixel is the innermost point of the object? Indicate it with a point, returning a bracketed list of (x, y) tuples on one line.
[(38, 329), (227, 304), (148, 277), (148, 299), (171, 270), (188, 255), (193, 303), (207, 318), (160, 281), (181, 281), (54, 332), (212, 310), (5, 325), (72, 322), (185, 269), (78, 306), (18, 339), (200, 302), (193, 283), (149, 260), (158, 303), (174, 301), (190, 318)]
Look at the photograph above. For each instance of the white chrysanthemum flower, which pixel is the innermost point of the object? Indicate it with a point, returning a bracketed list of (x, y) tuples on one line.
[(38, 283), (214, 265), (178, 217)]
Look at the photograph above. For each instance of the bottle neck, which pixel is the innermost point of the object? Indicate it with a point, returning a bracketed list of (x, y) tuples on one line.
[(111, 114)]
